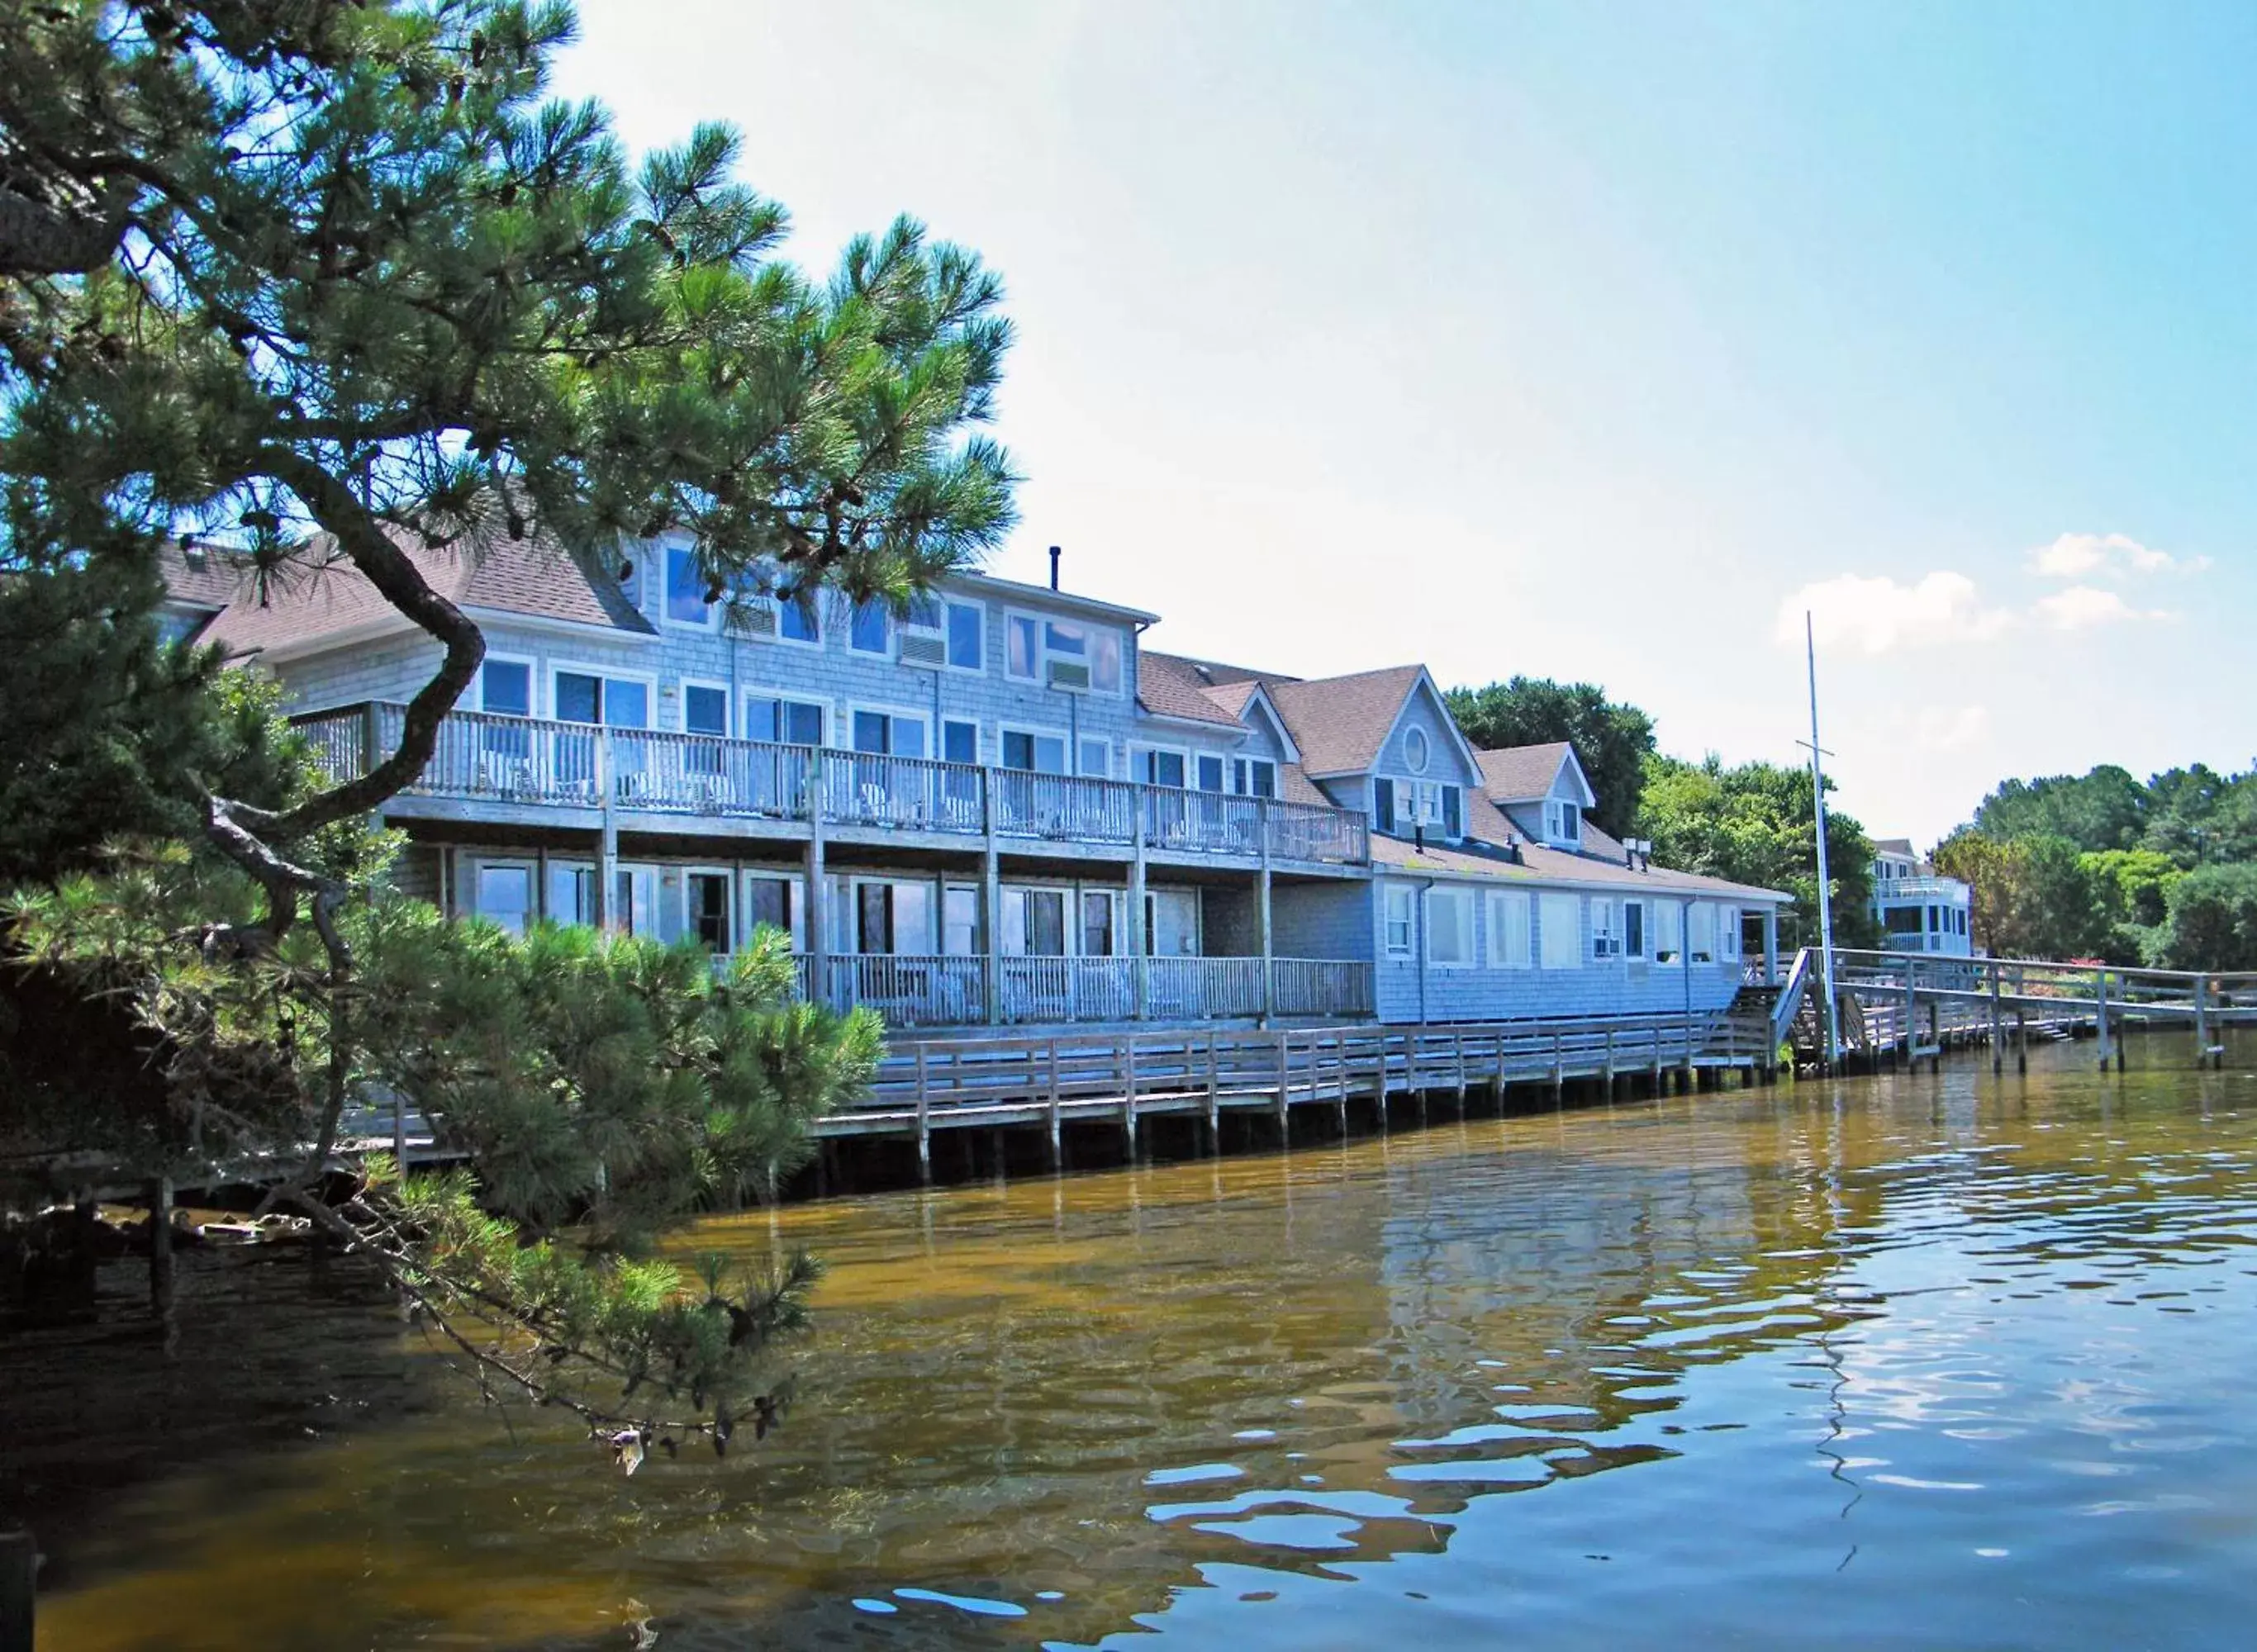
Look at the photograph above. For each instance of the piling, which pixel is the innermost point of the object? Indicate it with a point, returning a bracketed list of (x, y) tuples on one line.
[(20, 1576)]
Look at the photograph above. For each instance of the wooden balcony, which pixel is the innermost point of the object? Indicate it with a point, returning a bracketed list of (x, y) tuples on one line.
[(952, 992), (484, 757)]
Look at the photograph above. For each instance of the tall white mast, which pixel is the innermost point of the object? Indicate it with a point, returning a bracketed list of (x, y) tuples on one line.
[(1825, 895)]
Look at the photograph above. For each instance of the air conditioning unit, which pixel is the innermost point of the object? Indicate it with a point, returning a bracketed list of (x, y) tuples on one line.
[(923, 649), (1605, 947), (755, 619), (1070, 673)]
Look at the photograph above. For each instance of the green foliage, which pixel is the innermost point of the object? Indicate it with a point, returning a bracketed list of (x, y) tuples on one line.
[(2104, 810), (2033, 897), (2212, 920), (1612, 740), (1756, 824)]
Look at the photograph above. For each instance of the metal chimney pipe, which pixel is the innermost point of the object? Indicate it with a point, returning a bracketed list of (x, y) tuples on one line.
[(1054, 567)]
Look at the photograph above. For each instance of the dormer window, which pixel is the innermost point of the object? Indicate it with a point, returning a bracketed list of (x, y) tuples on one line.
[(1563, 821), (686, 586), (631, 579), (1415, 752)]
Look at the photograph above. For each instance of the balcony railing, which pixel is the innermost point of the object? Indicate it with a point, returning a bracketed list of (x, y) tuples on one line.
[(483, 757), (920, 990)]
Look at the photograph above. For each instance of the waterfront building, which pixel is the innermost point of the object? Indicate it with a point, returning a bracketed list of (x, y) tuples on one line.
[(1920, 910), (1001, 807)]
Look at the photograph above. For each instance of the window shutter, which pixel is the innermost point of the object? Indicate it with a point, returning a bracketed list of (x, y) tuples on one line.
[(1453, 812), (1382, 803)]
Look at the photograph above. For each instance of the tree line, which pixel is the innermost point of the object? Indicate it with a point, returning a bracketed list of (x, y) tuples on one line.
[(2161, 872)]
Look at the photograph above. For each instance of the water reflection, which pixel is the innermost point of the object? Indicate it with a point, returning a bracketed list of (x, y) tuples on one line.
[(1942, 1358)]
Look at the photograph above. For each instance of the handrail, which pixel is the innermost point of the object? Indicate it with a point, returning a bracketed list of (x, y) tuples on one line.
[(1789, 1002), (488, 756)]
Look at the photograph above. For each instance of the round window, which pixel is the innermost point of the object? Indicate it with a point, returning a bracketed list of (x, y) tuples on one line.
[(1414, 750)]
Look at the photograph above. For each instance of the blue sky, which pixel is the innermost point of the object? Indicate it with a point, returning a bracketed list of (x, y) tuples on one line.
[(1592, 341)]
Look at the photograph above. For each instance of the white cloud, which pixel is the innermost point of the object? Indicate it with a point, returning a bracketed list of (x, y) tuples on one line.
[(1950, 728), (2076, 555), (2082, 607), (1877, 614)]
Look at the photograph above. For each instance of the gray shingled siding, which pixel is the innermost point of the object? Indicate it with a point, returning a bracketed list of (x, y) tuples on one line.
[(1485, 992), (1426, 713), (1321, 920)]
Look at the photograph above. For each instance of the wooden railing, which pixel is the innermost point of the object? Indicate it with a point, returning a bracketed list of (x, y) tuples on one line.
[(1081, 1073), (483, 757)]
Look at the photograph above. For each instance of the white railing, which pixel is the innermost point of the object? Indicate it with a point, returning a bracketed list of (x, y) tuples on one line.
[(913, 992), (924, 991), (483, 756), (1321, 987), (1202, 989)]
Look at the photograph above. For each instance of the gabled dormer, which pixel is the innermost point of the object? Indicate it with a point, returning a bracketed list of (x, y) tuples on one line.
[(1542, 790), (1384, 742)]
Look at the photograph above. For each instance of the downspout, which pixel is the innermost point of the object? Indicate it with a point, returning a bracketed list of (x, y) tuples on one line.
[(1418, 939)]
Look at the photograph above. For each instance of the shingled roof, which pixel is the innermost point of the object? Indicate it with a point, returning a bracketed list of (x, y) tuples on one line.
[(322, 598), (1170, 685), (1515, 773), (1341, 722)]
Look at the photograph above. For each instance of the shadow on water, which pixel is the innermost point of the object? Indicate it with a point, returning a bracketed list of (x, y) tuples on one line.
[(1854, 1338)]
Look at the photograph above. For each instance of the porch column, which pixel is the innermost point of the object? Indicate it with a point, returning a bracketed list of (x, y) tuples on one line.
[(607, 847), (1771, 946), (1140, 975), (818, 893), (991, 905), (1269, 975)]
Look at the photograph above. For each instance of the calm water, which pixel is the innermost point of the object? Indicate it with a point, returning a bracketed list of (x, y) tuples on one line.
[(1900, 1362)]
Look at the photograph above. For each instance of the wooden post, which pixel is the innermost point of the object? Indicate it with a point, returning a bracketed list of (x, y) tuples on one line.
[(160, 1246), (607, 847), (2202, 1020), (2100, 999), (1610, 1064), (2021, 1040), (1998, 1049), (1129, 1106), (1558, 1071), (19, 1577), (1058, 1152), (1908, 1035), (1284, 1133), (991, 902), (818, 891), (924, 1121), (1214, 1099), (1268, 973), (1139, 945)]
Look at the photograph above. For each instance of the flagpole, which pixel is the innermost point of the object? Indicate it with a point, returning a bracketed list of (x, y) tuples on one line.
[(1825, 895)]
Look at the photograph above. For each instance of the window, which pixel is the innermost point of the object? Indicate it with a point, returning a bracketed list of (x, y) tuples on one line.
[(1558, 920), (892, 920), (571, 892), (1606, 938), (505, 896), (1033, 644), (686, 588), (505, 687), (1096, 757), (1415, 752), (1161, 768), (1728, 934), (1096, 923), (707, 896), (1383, 805), (1425, 801), (870, 631), (1563, 820), (959, 628), (1034, 754), (959, 922), (1449, 927), (789, 722), (960, 741), (1700, 937), (619, 703), (1508, 929), (705, 709), (631, 579), (1396, 908), (888, 734), (1034, 923), (799, 620), (1633, 930), (1453, 812), (1210, 772), (1257, 777), (1667, 922), (773, 903)]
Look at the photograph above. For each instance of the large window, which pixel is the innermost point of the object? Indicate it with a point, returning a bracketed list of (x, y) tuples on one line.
[(889, 733), (1034, 923), (870, 631), (790, 722), (1084, 655), (687, 602), (959, 922), (894, 920), (709, 912), (1097, 924), (505, 896), (959, 630), (1257, 777), (800, 619), (1033, 753), (505, 687), (1701, 939), (1450, 927), (1559, 920), (773, 903), (1508, 929), (1398, 907), (1211, 773), (1096, 757), (705, 709), (1668, 936), (1161, 768), (620, 703)]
